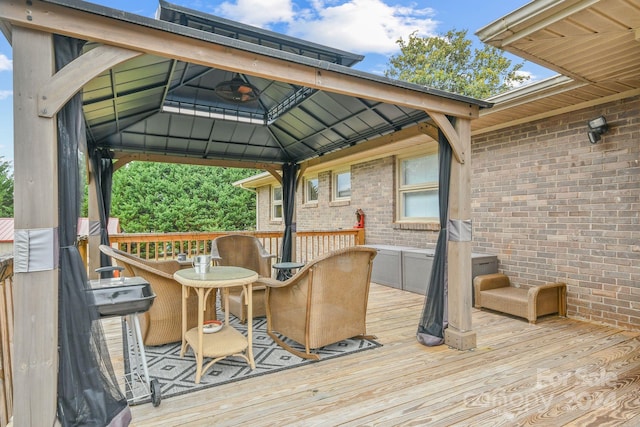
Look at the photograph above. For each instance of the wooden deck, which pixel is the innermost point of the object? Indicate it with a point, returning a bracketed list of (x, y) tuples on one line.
[(557, 372)]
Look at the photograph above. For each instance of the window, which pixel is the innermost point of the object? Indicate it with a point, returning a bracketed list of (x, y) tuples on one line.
[(311, 190), (418, 189), (341, 185), (276, 203)]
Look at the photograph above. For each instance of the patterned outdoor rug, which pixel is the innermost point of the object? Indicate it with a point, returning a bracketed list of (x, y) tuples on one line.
[(176, 375)]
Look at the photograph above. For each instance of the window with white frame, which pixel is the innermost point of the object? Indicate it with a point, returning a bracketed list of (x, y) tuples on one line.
[(311, 190), (418, 188), (342, 185), (276, 203)]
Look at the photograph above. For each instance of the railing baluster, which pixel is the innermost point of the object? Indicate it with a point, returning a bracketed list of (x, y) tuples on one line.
[(309, 244), (6, 348)]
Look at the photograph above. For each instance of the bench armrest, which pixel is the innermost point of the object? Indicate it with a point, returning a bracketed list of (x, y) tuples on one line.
[(488, 281), (532, 297)]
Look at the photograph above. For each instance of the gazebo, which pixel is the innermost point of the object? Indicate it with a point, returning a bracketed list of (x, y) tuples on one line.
[(191, 88)]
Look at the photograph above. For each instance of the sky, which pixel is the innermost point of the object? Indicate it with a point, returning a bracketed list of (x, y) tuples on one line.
[(366, 27)]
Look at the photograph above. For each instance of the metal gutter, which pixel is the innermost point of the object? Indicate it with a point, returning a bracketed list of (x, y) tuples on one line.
[(554, 82), (255, 181), (528, 19)]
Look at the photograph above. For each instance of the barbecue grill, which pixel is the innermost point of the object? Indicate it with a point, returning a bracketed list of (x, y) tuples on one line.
[(127, 297)]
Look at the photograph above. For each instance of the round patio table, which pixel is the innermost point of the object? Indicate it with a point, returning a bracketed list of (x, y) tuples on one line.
[(228, 341), (286, 267)]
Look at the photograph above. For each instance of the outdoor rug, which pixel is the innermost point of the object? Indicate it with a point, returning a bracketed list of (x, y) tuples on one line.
[(176, 375)]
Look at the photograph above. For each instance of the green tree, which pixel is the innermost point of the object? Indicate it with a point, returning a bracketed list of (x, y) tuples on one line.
[(6, 189), (162, 197), (447, 62)]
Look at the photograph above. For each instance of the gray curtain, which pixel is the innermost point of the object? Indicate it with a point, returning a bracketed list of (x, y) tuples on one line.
[(88, 392), (434, 314), (289, 179), (103, 174)]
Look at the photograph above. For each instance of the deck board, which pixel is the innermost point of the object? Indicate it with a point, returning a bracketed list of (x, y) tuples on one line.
[(557, 372)]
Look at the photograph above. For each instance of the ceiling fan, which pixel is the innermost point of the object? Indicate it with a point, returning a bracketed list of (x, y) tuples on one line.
[(237, 90)]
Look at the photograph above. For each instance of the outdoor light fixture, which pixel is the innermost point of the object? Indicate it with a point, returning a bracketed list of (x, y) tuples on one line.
[(237, 90), (597, 127)]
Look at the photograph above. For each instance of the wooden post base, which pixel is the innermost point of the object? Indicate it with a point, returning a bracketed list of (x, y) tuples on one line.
[(459, 340)]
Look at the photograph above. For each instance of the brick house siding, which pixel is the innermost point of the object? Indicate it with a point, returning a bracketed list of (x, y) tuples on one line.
[(263, 211), (554, 207), (548, 203), (372, 190)]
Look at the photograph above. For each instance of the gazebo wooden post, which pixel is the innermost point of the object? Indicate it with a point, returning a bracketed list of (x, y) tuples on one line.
[(93, 251), (35, 363), (459, 334), (294, 221)]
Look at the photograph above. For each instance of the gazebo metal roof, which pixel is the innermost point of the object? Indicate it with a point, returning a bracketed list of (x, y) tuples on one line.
[(153, 105)]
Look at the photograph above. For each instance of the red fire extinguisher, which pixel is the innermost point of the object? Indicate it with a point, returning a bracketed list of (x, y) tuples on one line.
[(359, 219)]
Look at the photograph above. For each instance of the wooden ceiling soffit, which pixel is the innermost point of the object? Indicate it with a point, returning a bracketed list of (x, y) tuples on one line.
[(68, 81), (110, 31), (547, 111)]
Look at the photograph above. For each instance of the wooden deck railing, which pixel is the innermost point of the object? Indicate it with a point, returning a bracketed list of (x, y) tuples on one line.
[(309, 244), (6, 339)]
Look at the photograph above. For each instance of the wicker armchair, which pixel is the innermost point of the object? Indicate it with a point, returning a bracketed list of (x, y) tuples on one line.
[(240, 250), (323, 303), (162, 323)]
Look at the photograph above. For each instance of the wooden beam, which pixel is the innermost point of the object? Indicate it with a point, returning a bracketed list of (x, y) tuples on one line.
[(274, 173), (110, 31), (452, 136), (68, 81), (35, 361), (430, 130), (124, 157), (301, 170)]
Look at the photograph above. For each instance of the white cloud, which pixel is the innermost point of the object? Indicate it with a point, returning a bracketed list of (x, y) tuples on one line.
[(529, 74), (5, 63), (255, 12), (4, 94), (362, 26)]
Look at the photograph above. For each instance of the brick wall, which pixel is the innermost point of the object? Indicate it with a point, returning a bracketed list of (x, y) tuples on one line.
[(374, 187), (549, 204), (264, 222), (325, 214), (372, 190), (554, 207)]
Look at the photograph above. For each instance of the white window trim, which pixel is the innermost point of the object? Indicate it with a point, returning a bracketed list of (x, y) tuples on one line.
[(404, 189), (306, 190), (334, 185), (275, 202)]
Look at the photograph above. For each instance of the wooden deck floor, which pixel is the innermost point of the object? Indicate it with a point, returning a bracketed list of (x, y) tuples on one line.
[(557, 372)]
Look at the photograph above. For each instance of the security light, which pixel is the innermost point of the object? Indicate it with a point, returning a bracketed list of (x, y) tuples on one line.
[(597, 127), (594, 137)]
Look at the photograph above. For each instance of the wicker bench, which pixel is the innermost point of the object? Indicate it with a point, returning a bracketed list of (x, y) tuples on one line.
[(494, 291)]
